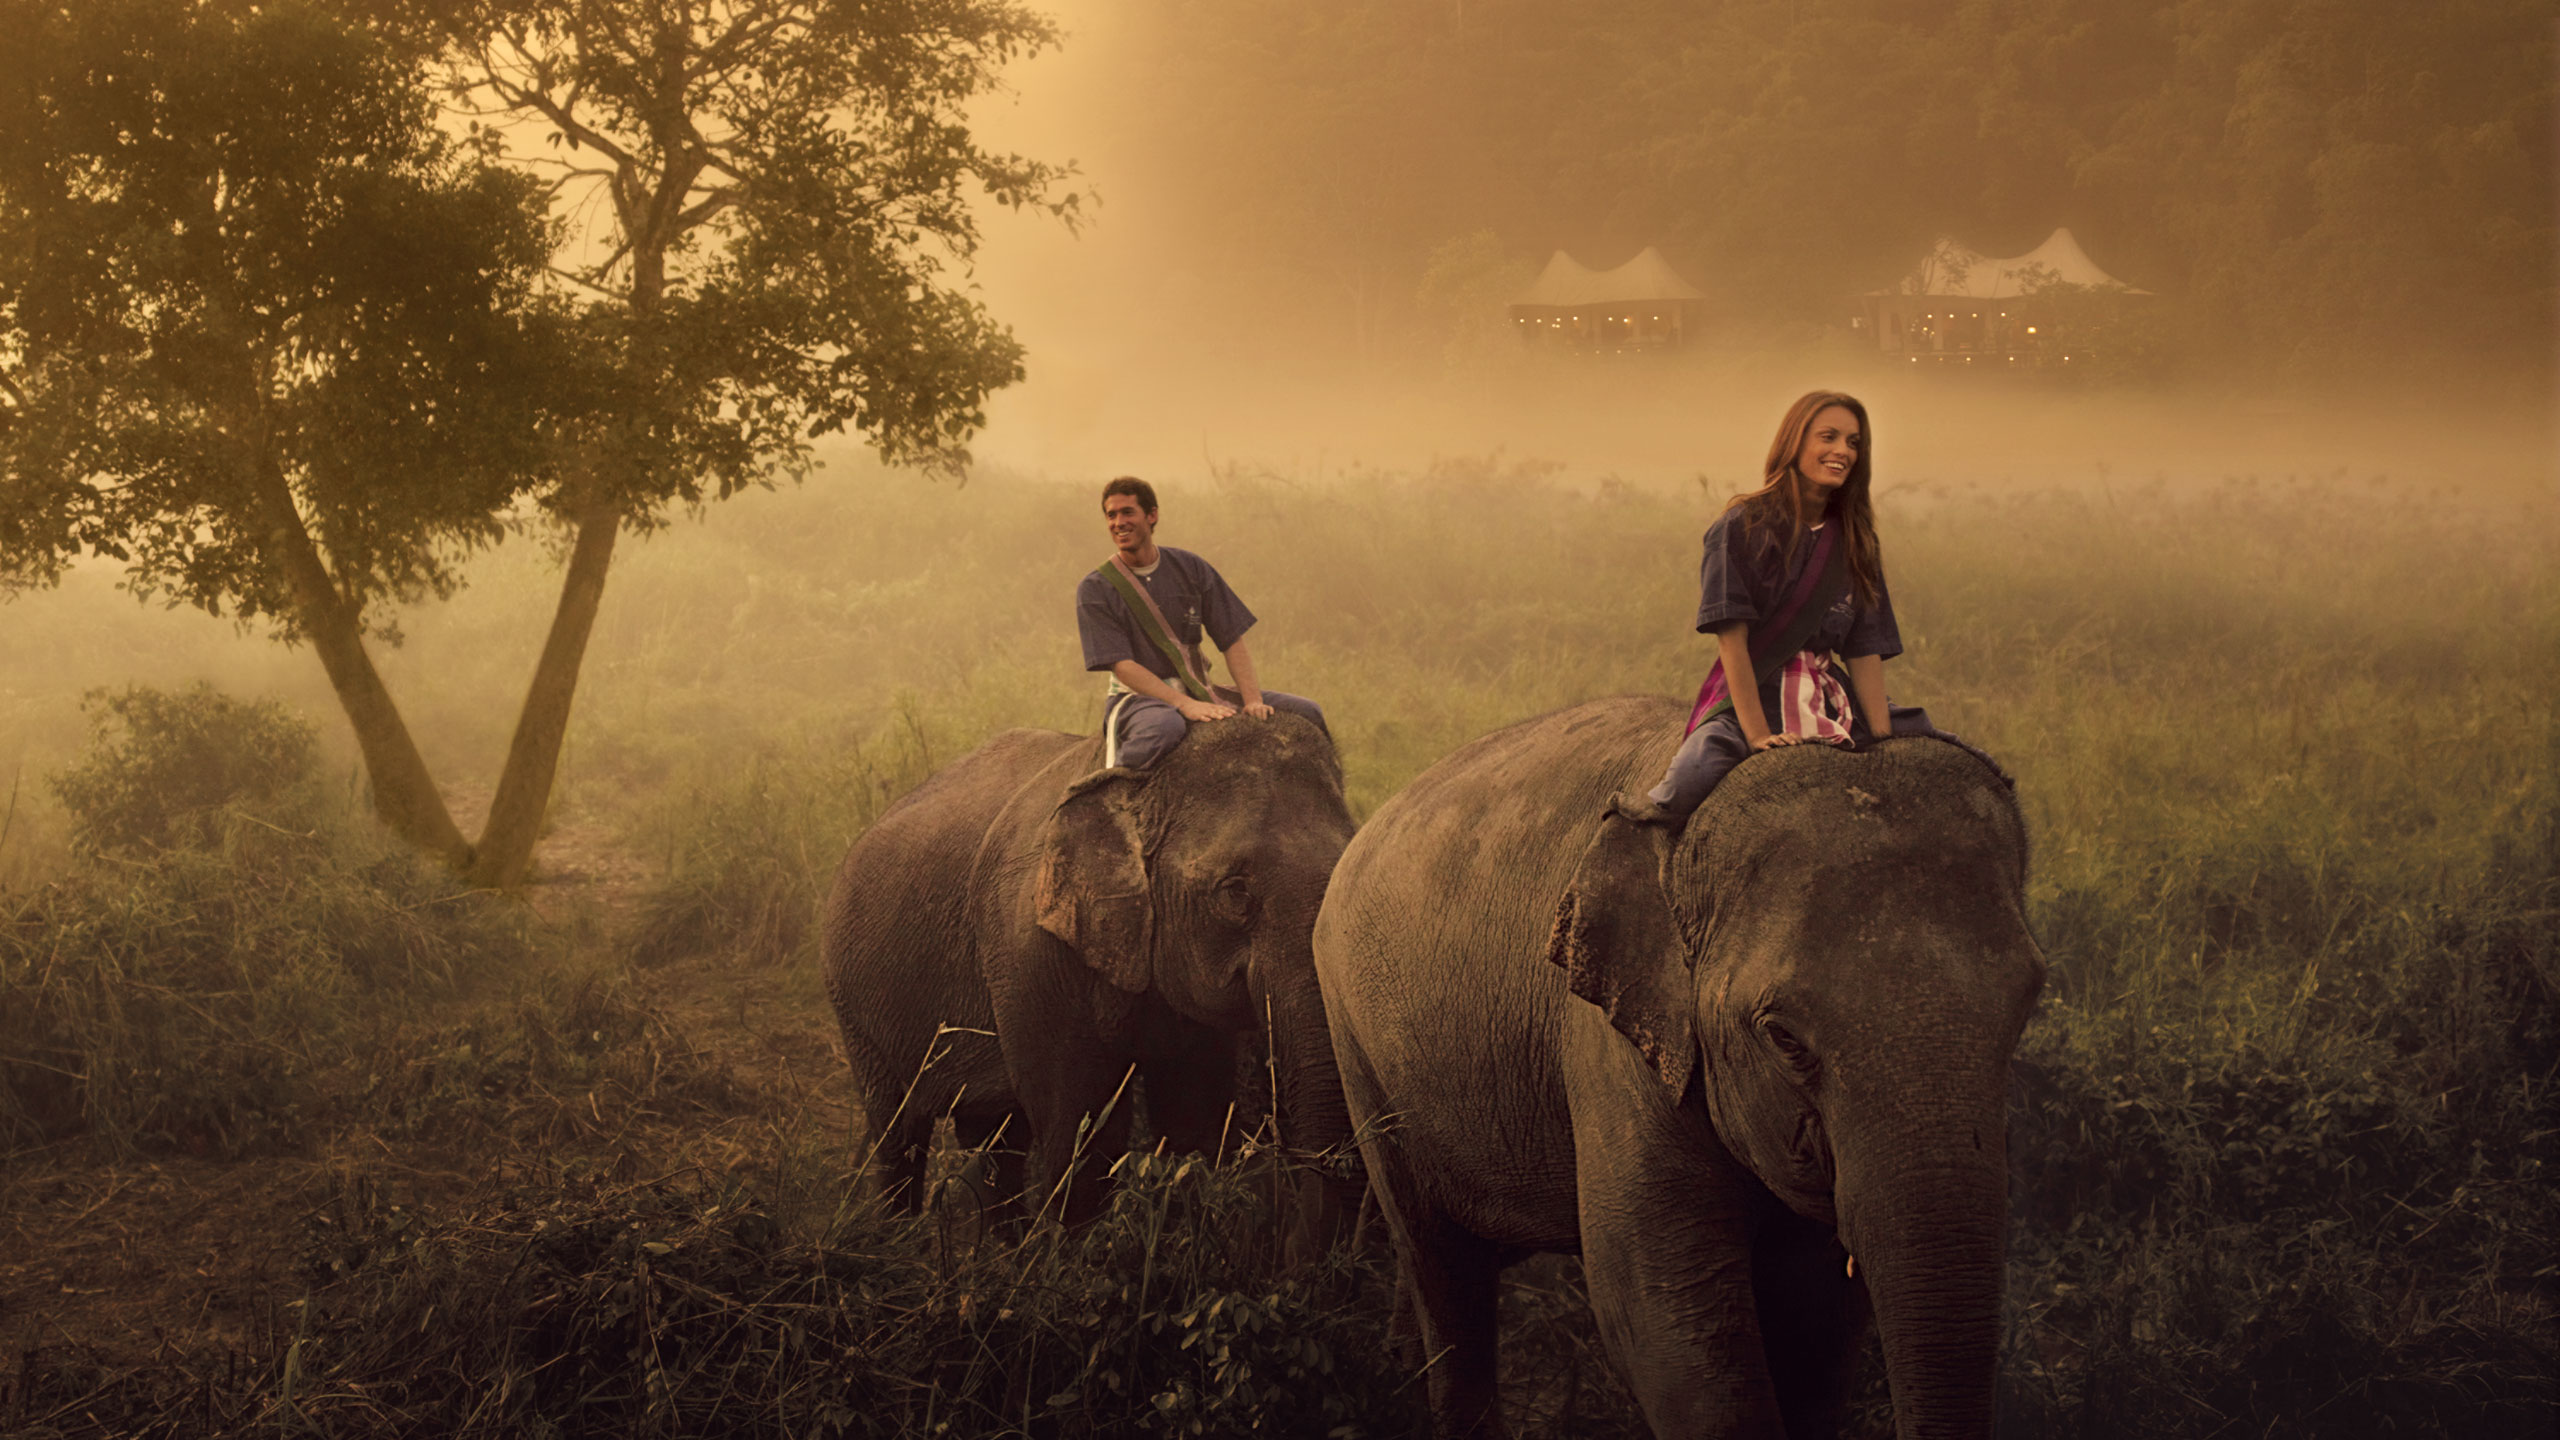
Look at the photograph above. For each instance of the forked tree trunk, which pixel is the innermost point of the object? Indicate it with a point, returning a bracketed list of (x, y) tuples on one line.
[(533, 758), (404, 794)]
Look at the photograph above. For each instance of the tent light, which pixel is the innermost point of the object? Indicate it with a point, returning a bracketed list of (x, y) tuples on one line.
[(2031, 329)]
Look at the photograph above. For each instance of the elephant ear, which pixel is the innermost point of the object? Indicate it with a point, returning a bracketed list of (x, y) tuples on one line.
[(1092, 890), (1621, 949)]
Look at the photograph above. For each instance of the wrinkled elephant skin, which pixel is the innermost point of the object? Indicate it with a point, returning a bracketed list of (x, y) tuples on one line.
[(1712, 1066), (1037, 925)]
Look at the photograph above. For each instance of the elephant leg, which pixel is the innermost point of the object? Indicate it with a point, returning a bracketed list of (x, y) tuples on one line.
[(1455, 1281), (998, 1138), (1447, 1279), (1079, 1108), (901, 1144), (1813, 1319), (1191, 1083), (1069, 1080), (1668, 1219)]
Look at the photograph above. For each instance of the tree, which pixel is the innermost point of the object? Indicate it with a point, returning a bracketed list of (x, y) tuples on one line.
[(785, 183), (265, 335), (784, 186)]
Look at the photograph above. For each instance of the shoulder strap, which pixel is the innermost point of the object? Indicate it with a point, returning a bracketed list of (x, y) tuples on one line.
[(1116, 573), (1825, 580)]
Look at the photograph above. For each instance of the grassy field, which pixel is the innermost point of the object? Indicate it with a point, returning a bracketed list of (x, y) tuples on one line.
[(2283, 1127)]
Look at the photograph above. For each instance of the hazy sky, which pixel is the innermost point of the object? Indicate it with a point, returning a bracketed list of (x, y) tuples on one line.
[(1129, 370)]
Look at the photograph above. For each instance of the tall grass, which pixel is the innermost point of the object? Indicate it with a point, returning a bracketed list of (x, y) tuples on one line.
[(2283, 1132), (585, 1307), (237, 930)]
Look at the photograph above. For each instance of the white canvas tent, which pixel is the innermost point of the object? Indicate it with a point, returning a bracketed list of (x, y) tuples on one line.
[(1641, 305), (1961, 307), (1952, 270)]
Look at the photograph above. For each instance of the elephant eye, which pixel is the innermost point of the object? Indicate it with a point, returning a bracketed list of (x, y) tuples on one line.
[(1233, 900), (1793, 1050)]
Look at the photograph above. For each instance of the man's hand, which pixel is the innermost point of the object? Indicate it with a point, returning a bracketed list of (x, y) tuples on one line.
[(1190, 709), (1248, 689), (1771, 742)]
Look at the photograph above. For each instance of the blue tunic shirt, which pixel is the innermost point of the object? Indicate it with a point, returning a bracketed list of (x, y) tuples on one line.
[(1745, 576), (1189, 590)]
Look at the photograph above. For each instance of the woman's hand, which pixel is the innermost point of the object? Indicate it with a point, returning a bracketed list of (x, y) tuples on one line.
[(1783, 737)]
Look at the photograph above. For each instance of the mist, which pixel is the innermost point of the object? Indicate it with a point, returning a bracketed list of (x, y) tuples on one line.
[(2252, 603)]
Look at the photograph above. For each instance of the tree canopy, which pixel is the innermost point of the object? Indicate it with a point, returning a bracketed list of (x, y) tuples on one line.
[(290, 340)]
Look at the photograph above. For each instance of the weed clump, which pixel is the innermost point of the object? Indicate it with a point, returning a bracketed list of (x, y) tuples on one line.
[(586, 1308), (227, 938), (749, 854)]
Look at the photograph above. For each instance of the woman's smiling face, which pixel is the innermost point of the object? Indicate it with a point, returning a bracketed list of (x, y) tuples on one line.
[(1830, 449)]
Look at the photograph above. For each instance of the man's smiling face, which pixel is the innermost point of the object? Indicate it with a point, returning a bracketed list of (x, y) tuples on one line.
[(1133, 528)]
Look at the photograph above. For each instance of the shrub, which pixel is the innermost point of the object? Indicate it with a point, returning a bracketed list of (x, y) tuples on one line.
[(190, 985), (164, 769)]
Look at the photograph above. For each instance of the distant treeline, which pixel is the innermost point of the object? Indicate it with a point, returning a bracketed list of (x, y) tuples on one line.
[(2309, 183)]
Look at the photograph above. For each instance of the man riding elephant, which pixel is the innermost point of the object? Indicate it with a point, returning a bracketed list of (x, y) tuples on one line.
[(1141, 615)]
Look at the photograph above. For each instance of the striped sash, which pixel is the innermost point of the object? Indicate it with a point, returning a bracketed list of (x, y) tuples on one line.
[(1825, 579), (1811, 700)]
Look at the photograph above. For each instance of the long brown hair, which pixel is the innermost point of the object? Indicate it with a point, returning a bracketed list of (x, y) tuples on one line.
[(1775, 511)]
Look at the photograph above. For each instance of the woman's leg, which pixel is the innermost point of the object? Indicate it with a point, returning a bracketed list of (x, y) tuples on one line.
[(1912, 720), (1711, 750)]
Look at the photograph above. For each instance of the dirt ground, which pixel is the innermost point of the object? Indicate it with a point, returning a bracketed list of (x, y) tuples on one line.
[(142, 1260)]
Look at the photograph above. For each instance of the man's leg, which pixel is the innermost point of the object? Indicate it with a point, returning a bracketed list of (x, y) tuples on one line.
[(1298, 705), (1148, 729)]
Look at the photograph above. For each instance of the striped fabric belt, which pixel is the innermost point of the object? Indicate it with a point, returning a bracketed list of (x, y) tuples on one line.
[(1811, 700)]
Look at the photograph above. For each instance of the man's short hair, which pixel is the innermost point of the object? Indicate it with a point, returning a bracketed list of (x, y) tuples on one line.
[(1131, 485)]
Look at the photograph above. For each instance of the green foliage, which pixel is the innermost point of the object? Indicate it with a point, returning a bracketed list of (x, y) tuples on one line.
[(247, 286), (230, 942), (166, 770), (200, 1000), (749, 847), (778, 189), (603, 1309)]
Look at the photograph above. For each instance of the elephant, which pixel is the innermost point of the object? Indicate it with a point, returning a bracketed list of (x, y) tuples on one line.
[(1015, 934), (1715, 1063)]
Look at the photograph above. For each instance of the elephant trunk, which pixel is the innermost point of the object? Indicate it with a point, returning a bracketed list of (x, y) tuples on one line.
[(1310, 1114), (1923, 1202)]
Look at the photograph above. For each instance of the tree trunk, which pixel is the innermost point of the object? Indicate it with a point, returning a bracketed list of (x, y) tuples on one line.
[(404, 794), (533, 758)]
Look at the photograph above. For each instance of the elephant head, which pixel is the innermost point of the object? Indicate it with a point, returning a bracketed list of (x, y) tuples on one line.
[(1834, 961), (1199, 881)]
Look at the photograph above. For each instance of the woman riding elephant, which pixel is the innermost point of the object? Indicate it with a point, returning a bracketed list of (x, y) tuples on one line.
[(1012, 937), (1792, 577), (1716, 1065)]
